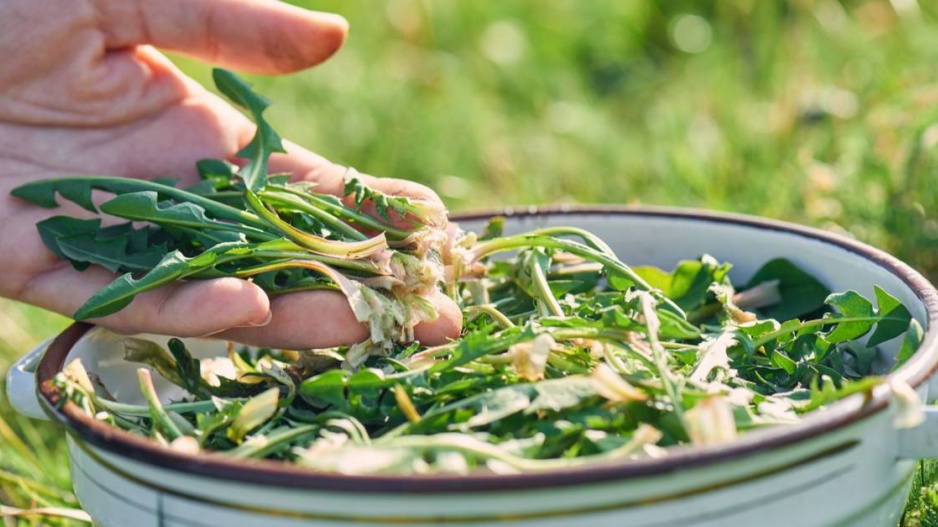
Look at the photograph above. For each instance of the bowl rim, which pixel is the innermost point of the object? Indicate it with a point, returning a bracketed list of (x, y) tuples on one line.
[(917, 370)]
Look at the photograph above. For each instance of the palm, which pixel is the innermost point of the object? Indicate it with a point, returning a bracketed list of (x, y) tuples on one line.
[(106, 103)]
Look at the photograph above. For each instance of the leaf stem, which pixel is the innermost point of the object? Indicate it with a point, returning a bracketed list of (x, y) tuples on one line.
[(491, 311), (664, 372), (285, 200), (137, 410), (541, 288), (365, 267), (536, 239), (317, 244), (335, 207), (259, 448), (161, 419)]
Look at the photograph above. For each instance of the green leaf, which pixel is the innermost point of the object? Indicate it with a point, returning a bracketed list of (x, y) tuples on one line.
[(153, 355), (494, 406), (657, 278), (382, 202), (367, 380), (894, 318), (121, 292), (782, 361), (850, 304), (328, 388), (801, 293), (205, 187), (213, 168), (910, 343), (239, 92), (51, 229), (188, 369), (809, 346), (143, 206), (493, 229), (364, 388), (84, 242), (281, 179), (188, 217), (334, 206), (863, 358), (828, 392), (557, 395), (691, 280), (481, 343), (674, 326), (619, 280), (561, 288), (110, 253), (265, 142), (138, 240), (79, 190), (206, 238), (257, 411), (210, 424)]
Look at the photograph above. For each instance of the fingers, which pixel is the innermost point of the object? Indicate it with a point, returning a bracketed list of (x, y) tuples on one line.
[(309, 319), (229, 308), (186, 310), (308, 166), (256, 36), (446, 326), (323, 319), (330, 179)]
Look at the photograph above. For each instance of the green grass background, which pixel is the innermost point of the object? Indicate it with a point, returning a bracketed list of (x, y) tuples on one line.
[(823, 113)]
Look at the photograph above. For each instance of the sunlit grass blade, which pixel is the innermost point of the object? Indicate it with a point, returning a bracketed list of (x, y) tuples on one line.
[(48, 512)]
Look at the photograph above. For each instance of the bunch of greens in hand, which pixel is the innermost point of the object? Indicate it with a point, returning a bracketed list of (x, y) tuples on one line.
[(248, 224), (567, 355)]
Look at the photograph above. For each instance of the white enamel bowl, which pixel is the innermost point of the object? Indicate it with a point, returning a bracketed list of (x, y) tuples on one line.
[(846, 465)]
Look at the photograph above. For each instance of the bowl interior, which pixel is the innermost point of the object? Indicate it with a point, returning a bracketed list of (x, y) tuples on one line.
[(102, 353)]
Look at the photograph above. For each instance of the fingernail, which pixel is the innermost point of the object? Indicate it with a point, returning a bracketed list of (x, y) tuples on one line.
[(270, 316)]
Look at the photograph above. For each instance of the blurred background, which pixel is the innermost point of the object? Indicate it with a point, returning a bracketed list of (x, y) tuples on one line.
[(820, 112)]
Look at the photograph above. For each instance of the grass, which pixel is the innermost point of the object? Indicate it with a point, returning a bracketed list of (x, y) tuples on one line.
[(823, 113), (34, 469), (922, 508)]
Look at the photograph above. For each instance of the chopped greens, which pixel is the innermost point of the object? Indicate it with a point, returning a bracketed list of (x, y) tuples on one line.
[(567, 355)]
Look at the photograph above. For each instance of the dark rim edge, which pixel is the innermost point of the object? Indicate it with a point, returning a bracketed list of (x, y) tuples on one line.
[(916, 371)]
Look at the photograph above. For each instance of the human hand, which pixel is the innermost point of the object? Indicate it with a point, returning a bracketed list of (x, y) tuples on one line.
[(83, 91)]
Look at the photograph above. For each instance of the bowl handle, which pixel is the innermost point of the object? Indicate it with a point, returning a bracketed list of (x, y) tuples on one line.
[(21, 383)]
